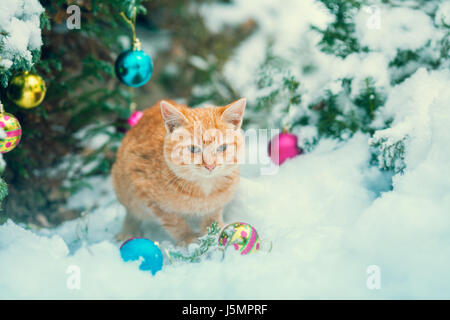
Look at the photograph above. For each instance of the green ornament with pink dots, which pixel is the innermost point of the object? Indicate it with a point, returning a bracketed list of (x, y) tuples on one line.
[(10, 138), (241, 236)]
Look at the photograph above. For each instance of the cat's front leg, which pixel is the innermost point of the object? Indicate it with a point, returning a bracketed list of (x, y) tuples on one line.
[(131, 228), (208, 219), (176, 225)]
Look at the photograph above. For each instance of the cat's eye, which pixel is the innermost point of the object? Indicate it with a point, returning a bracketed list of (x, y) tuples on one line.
[(222, 148), (194, 149)]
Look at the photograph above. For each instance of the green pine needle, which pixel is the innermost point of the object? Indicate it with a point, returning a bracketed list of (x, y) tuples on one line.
[(207, 244)]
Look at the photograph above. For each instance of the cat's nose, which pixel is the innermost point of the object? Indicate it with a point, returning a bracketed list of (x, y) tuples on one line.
[(210, 167)]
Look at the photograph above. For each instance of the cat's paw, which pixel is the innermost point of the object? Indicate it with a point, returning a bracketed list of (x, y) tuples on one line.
[(220, 224), (123, 236), (187, 241), (204, 227)]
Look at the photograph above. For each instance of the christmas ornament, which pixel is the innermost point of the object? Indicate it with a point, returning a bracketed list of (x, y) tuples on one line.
[(27, 90), (13, 132), (145, 250), (124, 124), (134, 67), (241, 236), (135, 117), (283, 147)]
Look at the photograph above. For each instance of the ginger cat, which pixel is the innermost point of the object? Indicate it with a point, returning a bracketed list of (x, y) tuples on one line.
[(179, 162)]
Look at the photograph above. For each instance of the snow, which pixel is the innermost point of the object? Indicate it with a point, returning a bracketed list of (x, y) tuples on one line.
[(408, 227), (327, 223), (283, 25), (20, 22), (291, 38), (315, 222), (443, 14), (414, 104), (399, 28), (331, 216), (359, 67)]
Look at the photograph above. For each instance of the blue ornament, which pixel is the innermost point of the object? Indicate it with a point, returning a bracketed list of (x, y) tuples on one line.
[(145, 249), (134, 67)]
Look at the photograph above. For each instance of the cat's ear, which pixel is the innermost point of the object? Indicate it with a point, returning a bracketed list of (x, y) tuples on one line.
[(234, 113), (171, 116)]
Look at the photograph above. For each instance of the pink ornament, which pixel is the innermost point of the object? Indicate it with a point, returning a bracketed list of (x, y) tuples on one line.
[(135, 117), (283, 147)]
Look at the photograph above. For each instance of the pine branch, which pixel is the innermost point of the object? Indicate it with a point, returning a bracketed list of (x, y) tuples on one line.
[(207, 244)]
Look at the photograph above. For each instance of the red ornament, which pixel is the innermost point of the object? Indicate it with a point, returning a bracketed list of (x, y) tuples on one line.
[(283, 146), (135, 117)]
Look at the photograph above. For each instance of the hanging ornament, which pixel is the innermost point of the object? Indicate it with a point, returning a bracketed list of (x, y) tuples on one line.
[(241, 236), (135, 117), (27, 90), (12, 129), (145, 250), (134, 67), (124, 124), (283, 146)]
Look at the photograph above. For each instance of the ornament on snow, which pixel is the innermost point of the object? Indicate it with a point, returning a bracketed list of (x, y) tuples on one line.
[(283, 146), (134, 67), (145, 250), (241, 236), (27, 90), (12, 129)]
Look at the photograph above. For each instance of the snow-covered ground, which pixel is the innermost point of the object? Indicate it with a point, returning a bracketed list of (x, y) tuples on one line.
[(330, 216), (336, 223)]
